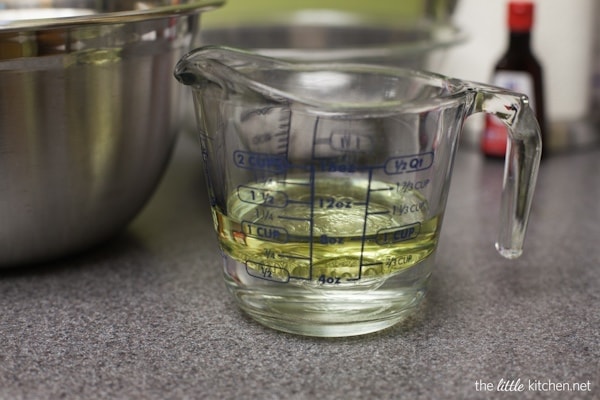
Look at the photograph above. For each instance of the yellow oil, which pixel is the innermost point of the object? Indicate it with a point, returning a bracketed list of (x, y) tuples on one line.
[(326, 231)]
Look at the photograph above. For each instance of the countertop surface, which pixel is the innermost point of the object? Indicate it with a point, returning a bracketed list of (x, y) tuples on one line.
[(147, 315)]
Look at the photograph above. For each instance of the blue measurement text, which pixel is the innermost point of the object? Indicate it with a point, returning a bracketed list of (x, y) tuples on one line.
[(408, 164)]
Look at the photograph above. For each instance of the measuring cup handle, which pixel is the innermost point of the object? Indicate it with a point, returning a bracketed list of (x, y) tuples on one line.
[(521, 165)]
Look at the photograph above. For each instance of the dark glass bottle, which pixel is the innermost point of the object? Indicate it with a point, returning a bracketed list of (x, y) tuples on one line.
[(518, 70)]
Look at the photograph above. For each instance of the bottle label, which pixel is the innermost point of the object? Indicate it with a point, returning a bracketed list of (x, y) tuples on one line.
[(495, 135)]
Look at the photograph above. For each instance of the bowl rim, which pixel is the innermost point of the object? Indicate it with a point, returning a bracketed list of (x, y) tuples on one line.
[(438, 37), (159, 11)]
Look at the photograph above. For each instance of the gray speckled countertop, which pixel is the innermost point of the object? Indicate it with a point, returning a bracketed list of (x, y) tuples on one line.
[(147, 315)]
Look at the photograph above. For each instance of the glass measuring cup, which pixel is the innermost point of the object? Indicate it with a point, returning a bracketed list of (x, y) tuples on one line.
[(328, 182)]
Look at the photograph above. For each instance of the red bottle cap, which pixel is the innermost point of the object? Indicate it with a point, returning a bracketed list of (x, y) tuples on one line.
[(520, 15)]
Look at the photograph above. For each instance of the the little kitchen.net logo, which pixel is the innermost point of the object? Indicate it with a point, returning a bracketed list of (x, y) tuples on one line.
[(531, 385)]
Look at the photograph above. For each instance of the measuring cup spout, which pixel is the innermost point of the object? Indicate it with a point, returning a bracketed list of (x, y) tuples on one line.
[(229, 68)]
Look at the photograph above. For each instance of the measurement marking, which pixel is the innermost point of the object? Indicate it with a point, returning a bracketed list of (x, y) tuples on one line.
[(294, 257), (312, 202), (311, 222), (267, 272), (371, 264), (293, 218), (381, 189), (302, 278), (301, 167), (297, 183), (285, 133), (363, 168), (364, 232), (367, 237), (378, 212), (298, 202)]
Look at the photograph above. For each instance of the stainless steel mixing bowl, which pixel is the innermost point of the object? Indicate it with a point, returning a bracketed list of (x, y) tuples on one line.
[(89, 113)]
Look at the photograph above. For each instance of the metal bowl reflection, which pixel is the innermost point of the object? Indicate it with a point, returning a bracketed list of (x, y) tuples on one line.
[(89, 113)]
